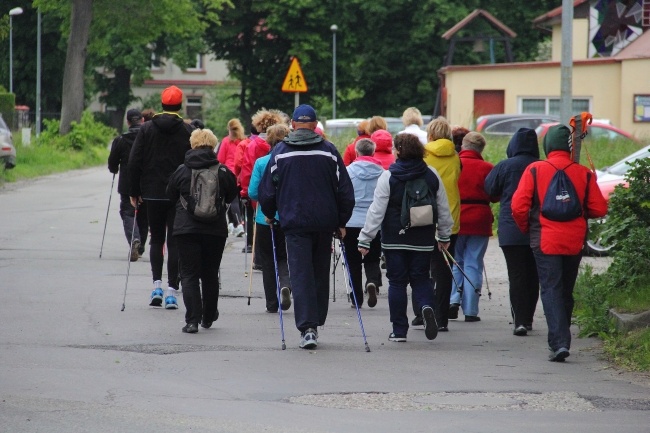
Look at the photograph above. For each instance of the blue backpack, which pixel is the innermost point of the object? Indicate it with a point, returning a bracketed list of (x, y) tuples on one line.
[(561, 202)]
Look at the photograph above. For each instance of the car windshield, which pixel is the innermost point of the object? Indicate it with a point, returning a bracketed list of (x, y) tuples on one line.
[(622, 167)]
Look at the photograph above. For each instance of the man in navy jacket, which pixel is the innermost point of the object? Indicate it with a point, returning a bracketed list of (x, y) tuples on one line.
[(307, 183)]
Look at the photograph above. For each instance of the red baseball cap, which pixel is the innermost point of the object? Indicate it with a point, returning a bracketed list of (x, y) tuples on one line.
[(172, 95)]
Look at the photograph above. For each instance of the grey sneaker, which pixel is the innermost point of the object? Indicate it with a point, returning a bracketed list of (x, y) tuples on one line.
[(309, 339), (135, 248), (430, 323), (520, 330), (559, 355), (397, 338), (285, 298)]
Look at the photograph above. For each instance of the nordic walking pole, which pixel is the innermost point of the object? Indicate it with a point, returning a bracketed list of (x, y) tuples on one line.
[(458, 287), (246, 249), (128, 267), (106, 222), (277, 283), (250, 278), (335, 261), (487, 283), (460, 268), (363, 331)]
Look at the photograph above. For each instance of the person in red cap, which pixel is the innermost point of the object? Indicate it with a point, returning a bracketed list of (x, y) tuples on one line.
[(159, 148)]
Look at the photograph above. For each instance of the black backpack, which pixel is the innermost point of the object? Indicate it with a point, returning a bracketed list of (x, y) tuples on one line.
[(561, 201), (419, 206), (203, 200)]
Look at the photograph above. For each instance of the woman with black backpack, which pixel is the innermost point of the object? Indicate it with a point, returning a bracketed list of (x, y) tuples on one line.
[(200, 240), (408, 247)]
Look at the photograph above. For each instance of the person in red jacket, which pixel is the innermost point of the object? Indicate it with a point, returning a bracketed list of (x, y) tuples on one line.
[(384, 147), (557, 245), (475, 228), (350, 153), (256, 148)]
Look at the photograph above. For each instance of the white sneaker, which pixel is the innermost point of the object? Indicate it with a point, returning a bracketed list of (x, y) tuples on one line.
[(231, 228), (239, 231)]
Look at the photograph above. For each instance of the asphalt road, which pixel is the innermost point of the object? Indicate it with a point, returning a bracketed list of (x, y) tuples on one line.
[(71, 361)]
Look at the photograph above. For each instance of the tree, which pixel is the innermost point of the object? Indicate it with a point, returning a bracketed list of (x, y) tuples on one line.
[(72, 101)]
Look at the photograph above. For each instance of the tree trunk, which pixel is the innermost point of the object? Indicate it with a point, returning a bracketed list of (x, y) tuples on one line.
[(120, 96), (72, 100)]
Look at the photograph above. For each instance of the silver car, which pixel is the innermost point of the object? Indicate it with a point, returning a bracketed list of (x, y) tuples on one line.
[(7, 149)]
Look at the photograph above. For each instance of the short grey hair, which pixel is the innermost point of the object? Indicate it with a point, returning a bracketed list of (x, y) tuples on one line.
[(473, 141), (365, 147)]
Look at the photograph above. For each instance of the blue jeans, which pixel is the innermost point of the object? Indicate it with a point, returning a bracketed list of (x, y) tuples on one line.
[(557, 277), (404, 267), (469, 253)]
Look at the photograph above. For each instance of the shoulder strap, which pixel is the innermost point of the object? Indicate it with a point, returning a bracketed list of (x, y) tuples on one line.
[(533, 172), (584, 202)]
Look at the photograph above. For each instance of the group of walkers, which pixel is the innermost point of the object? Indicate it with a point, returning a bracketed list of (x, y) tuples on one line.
[(419, 200)]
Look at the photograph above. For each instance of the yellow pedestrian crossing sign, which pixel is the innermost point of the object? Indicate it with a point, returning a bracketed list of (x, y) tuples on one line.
[(294, 81)]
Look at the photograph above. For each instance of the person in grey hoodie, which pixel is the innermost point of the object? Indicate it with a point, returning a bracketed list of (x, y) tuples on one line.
[(502, 181), (364, 172), (408, 251)]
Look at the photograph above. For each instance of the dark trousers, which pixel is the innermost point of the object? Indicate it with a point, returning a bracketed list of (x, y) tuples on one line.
[(127, 213), (442, 282), (250, 222), (309, 267), (370, 262), (160, 214), (524, 282), (234, 214), (264, 257), (557, 277), (404, 267), (200, 258)]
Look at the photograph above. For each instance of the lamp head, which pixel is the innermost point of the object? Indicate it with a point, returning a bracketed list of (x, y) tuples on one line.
[(15, 11), (334, 28)]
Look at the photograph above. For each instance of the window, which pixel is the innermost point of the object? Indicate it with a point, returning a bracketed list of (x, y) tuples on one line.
[(199, 64), (194, 107), (551, 106), (156, 62)]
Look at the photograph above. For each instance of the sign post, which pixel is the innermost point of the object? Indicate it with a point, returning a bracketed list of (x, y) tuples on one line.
[(294, 82)]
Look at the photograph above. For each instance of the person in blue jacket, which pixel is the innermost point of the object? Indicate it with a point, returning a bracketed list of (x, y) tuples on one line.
[(307, 184), (364, 172), (263, 239), (502, 181)]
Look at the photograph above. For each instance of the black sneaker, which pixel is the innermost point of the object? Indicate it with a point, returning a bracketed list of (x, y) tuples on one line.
[(430, 324), (371, 288), (417, 321), (248, 249), (453, 311), (472, 319), (191, 328), (285, 298), (309, 339), (520, 331), (529, 327), (397, 338), (208, 323), (559, 355)]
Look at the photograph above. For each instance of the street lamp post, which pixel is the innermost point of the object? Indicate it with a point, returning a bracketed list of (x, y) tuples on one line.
[(334, 28), (12, 12)]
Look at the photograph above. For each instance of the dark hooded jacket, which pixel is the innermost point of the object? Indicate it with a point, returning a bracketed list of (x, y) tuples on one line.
[(179, 183), (118, 159), (386, 209), (503, 179), (307, 184), (159, 149)]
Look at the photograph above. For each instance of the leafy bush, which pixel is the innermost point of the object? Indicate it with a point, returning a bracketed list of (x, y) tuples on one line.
[(82, 136)]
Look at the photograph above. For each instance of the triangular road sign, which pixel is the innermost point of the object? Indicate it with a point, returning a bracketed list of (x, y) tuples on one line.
[(294, 81)]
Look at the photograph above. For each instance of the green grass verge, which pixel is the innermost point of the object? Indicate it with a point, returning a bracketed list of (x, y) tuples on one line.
[(631, 351), (40, 160)]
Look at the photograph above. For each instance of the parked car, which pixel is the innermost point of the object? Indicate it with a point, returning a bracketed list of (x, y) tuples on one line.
[(608, 178), (7, 149), (594, 131), (342, 127), (508, 124)]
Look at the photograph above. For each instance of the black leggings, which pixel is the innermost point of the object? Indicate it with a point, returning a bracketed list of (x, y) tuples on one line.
[(161, 225)]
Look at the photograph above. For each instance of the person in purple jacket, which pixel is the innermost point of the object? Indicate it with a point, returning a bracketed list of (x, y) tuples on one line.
[(308, 185)]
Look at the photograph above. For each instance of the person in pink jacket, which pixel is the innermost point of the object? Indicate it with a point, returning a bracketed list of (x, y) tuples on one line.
[(384, 150), (226, 156)]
